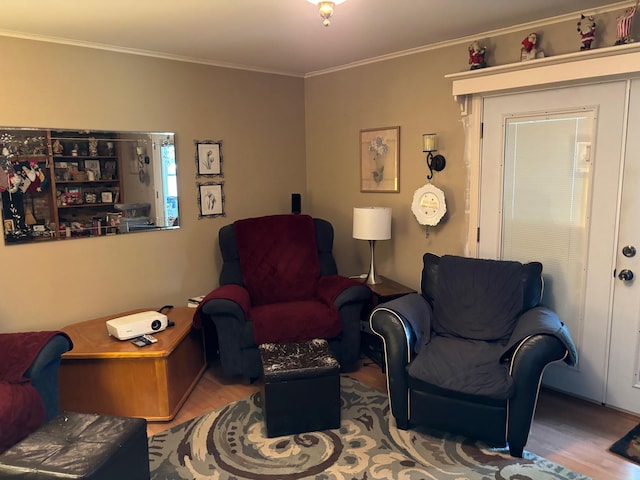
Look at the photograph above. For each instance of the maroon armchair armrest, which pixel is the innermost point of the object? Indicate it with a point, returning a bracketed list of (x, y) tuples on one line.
[(231, 292), (330, 287)]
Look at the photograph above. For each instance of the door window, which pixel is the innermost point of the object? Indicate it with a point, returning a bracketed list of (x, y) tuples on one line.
[(547, 177)]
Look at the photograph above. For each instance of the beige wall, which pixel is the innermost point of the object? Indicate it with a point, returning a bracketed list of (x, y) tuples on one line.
[(259, 117), (410, 92), (269, 125)]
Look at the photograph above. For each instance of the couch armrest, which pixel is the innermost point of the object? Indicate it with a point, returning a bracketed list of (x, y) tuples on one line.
[(415, 315), (541, 321), (227, 309), (337, 290), (389, 321), (229, 299), (349, 297), (43, 372), (35, 356), (234, 293), (529, 360)]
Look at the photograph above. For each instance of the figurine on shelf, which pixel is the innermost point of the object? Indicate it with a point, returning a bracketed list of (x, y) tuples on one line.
[(529, 47), (93, 147), (476, 56), (587, 31), (623, 31), (57, 147)]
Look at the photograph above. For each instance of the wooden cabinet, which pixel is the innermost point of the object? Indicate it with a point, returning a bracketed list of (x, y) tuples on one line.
[(59, 184), (151, 382)]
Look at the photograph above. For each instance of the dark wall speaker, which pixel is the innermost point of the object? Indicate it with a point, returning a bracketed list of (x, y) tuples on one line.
[(296, 203)]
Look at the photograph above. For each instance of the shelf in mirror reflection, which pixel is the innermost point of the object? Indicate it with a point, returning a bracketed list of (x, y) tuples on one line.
[(50, 163)]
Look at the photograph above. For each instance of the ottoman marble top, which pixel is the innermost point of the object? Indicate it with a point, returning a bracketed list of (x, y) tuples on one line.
[(297, 360)]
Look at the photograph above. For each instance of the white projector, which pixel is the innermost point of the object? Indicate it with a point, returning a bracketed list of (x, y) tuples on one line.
[(136, 324)]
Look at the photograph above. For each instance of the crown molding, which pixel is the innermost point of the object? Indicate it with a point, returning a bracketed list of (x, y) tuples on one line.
[(469, 38), (377, 59)]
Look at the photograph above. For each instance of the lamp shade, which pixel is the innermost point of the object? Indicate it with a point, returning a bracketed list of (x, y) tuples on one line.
[(372, 223), (429, 142)]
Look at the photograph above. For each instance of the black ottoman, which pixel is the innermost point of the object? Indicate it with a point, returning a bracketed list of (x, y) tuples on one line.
[(81, 446), (301, 389)]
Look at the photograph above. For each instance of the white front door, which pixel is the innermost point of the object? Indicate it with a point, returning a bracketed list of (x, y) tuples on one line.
[(551, 176), (623, 384)]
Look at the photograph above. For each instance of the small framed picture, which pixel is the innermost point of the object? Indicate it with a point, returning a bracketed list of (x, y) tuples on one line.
[(106, 197), (9, 226), (208, 158), (210, 200), (92, 166), (73, 195), (380, 159)]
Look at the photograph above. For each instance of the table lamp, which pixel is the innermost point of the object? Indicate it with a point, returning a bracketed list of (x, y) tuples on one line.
[(372, 223)]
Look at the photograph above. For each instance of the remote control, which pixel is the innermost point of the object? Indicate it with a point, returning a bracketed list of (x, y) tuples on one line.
[(144, 340)]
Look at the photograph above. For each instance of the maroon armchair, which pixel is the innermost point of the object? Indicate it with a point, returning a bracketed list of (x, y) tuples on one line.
[(279, 284)]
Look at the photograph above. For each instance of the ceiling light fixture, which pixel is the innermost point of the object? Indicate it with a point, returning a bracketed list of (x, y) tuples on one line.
[(326, 9)]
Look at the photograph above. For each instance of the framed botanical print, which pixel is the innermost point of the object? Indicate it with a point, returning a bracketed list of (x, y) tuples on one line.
[(208, 158), (210, 199), (380, 159)]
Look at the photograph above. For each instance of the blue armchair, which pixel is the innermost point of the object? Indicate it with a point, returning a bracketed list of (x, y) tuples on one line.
[(467, 355)]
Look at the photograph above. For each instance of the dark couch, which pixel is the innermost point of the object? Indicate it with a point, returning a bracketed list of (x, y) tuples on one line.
[(467, 354), (279, 284)]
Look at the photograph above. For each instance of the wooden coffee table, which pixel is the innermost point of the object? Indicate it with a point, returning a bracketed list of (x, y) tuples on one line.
[(102, 374)]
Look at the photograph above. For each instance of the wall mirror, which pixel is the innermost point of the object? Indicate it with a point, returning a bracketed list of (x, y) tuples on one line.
[(59, 184)]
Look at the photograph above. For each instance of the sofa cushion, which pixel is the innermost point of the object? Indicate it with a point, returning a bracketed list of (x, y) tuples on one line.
[(278, 257), (466, 366), (297, 321), (477, 299)]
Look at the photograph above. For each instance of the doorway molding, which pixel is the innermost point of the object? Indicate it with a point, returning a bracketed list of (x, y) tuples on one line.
[(471, 87)]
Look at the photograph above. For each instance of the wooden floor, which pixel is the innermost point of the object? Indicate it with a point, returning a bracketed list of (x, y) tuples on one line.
[(566, 430)]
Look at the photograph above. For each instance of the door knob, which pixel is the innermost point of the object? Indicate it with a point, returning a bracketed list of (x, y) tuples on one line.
[(625, 275), (629, 251)]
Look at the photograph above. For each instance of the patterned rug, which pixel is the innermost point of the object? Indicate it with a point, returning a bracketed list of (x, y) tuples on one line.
[(629, 445), (230, 444)]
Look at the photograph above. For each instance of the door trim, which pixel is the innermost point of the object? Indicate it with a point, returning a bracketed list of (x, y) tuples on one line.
[(607, 63), (469, 89)]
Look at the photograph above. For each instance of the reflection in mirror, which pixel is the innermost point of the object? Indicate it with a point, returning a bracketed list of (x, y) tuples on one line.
[(61, 184)]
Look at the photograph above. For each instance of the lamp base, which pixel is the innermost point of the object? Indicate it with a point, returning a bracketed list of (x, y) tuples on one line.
[(372, 279)]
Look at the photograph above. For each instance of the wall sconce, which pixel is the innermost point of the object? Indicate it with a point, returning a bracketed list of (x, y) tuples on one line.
[(434, 162), (372, 223)]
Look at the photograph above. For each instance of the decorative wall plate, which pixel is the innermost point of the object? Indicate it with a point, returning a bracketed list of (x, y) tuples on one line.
[(428, 205)]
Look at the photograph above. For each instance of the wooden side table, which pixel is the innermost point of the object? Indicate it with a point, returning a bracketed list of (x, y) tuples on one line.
[(371, 345), (389, 289), (102, 374)]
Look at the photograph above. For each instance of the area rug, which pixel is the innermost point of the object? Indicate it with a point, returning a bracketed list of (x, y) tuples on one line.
[(230, 444), (629, 445)]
